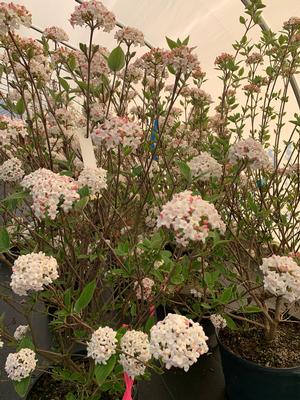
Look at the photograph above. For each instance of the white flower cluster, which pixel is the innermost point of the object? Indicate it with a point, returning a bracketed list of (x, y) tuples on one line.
[(218, 321), (251, 151), (94, 179), (182, 60), (55, 33), (143, 289), (93, 13), (190, 217), (136, 352), (11, 128), (98, 65), (204, 166), (118, 131), (11, 170), (21, 331), (281, 277), (33, 271), (196, 293), (130, 36), (102, 345), (20, 365), (12, 16), (177, 341), (97, 111), (49, 191)]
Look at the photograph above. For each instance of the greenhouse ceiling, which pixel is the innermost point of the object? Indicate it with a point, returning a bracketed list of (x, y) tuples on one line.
[(212, 25)]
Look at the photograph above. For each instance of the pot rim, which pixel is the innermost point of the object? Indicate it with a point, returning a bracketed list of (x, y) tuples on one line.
[(253, 364)]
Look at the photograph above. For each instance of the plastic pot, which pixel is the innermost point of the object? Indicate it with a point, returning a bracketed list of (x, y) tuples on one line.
[(246, 380)]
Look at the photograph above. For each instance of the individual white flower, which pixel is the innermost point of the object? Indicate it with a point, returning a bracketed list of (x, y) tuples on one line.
[(251, 151), (102, 345), (218, 321), (118, 131), (143, 289), (20, 365), (94, 179), (50, 191), (1, 343), (130, 36), (204, 166), (191, 217), (136, 352), (21, 331), (93, 13), (11, 170), (33, 271), (281, 276), (177, 341)]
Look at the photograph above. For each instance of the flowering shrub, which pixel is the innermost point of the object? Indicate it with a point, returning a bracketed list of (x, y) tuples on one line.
[(127, 186)]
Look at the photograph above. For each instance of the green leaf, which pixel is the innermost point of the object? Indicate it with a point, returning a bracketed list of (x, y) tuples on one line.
[(230, 322), (85, 297), (185, 170), (22, 386), (4, 240), (70, 396), (171, 43), (251, 309), (116, 59), (20, 107), (68, 298), (25, 343), (186, 41), (82, 203), (226, 296), (150, 322), (64, 84), (103, 371)]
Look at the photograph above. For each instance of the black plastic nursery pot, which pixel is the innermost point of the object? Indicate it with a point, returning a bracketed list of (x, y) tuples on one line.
[(246, 380)]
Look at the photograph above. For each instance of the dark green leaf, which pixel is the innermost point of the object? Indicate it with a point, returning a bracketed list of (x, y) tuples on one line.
[(4, 240), (103, 371), (171, 43), (20, 107), (85, 297), (22, 386), (116, 59)]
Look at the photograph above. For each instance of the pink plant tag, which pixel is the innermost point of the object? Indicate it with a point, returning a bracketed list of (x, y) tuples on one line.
[(129, 384)]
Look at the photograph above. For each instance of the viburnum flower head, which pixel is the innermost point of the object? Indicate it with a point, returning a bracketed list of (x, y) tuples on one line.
[(50, 191), (31, 272), (21, 331), (20, 365), (281, 277), (55, 33), (94, 179), (117, 131), (13, 15), (130, 36), (143, 289), (136, 352), (102, 345), (204, 166), (11, 170), (218, 321), (93, 14), (178, 341), (182, 60), (190, 217), (251, 151)]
